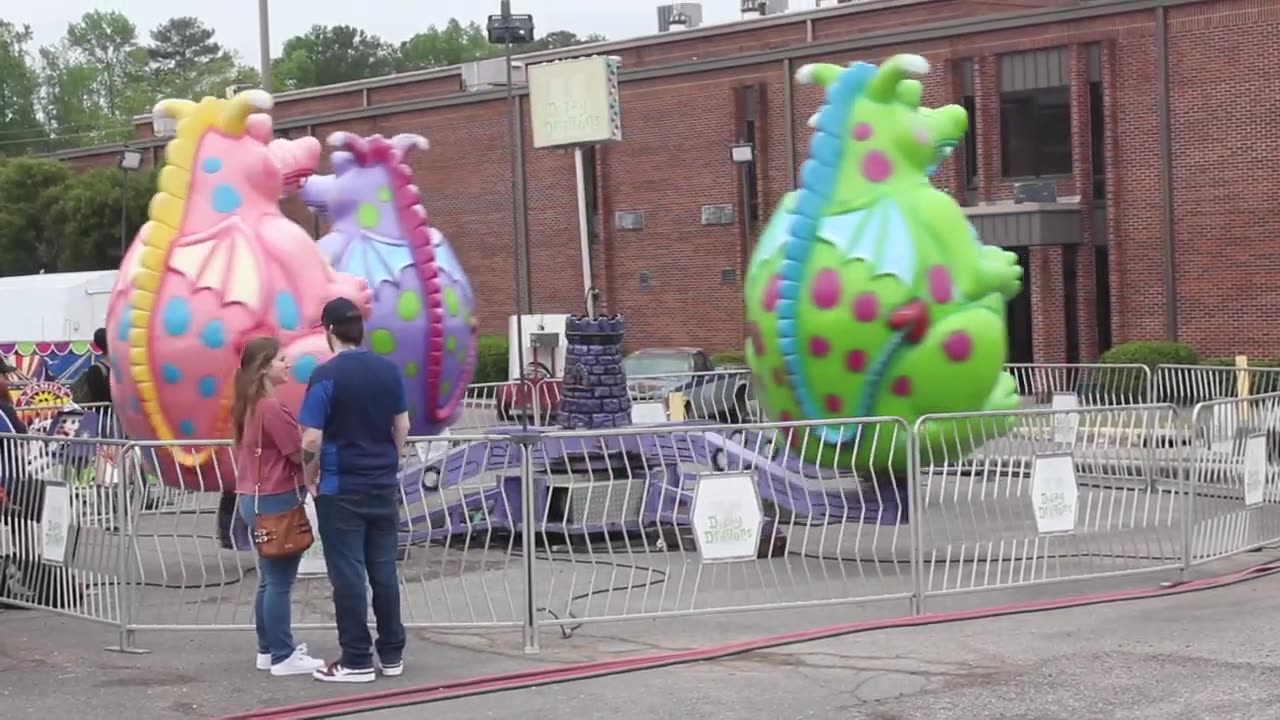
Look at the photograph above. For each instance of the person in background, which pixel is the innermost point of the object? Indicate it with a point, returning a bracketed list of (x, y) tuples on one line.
[(268, 447), (355, 422), (12, 469), (97, 379)]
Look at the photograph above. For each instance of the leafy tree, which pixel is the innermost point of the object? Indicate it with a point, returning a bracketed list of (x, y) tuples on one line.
[(326, 55), (95, 80), (455, 44), (87, 214), (186, 62), (562, 39), (19, 85), (29, 187)]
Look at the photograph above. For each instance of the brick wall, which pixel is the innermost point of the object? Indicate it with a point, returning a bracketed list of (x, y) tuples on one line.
[(674, 159)]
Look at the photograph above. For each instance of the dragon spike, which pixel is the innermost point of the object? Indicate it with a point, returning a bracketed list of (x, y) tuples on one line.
[(884, 86), (239, 108), (910, 93), (174, 109), (350, 142), (404, 142), (821, 74)]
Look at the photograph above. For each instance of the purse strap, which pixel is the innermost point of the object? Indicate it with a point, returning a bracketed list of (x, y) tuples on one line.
[(257, 461)]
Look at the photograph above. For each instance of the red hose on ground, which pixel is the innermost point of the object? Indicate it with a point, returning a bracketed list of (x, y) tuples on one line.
[(435, 692)]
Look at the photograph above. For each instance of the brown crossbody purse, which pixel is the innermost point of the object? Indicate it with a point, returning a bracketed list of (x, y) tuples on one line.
[(278, 535)]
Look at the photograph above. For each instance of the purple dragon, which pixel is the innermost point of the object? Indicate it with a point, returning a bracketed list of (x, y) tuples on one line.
[(423, 308)]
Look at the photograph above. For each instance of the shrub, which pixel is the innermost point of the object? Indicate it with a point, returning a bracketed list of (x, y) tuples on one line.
[(726, 360), (491, 359), (1151, 354)]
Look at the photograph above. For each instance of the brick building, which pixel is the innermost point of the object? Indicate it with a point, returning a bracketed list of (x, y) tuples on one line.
[(1139, 136)]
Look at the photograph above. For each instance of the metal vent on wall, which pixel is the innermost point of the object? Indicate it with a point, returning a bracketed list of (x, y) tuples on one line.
[(717, 214), (1036, 192), (728, 276), (629, 220), (645, 280)]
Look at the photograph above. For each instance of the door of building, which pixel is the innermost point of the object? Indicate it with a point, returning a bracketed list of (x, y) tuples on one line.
[(1019, 313)]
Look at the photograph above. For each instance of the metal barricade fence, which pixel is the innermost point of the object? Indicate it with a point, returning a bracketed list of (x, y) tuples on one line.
[(557, 528), (1235, 505), (62, 533), (618, 510), (1090, 385), (1047, 496), (1186, 385), (716, 395)]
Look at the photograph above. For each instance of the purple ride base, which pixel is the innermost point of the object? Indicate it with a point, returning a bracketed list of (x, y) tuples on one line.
[(666, 504)]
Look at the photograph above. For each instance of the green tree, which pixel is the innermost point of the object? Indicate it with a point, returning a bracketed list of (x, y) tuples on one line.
[(94, 80), (29, 188), (186, 62), (327, 55), (562, 39), (86, 212), (455, 44), (20, 127)]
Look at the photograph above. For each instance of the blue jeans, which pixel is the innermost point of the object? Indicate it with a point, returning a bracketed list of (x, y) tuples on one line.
[(360, 533), (272, 606)]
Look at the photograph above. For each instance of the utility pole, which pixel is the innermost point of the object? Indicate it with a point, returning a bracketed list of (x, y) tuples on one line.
[(264, 43)]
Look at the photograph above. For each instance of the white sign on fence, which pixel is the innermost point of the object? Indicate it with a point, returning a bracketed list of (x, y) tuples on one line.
[(1054, 493), (1066, 425), (727, 516), (1255, 469), (312, 562), (648, 413), (57, 526)]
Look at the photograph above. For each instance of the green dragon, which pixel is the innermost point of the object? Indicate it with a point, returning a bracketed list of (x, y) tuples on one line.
[(869, 293)]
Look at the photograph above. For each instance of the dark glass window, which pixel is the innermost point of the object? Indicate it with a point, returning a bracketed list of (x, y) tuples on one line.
[(1035, 133), (1097, 140), (971, 143), (750, 113)]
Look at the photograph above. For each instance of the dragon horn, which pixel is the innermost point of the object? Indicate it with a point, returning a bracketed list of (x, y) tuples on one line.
[(240, 107), (404, 142), (910, 92), (884, 86), (350, 142), (173, 108), (822, 74)]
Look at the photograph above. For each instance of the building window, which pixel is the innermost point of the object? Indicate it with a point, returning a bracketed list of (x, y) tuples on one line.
[(590, 189), (749, 97), (971, 144), (1097, 140), (1035, 133)]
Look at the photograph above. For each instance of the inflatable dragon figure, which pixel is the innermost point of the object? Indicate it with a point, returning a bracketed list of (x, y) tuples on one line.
[(869, 293), (216, 264), (423, 308)]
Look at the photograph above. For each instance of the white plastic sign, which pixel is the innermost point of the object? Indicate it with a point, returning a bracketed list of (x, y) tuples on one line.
[(1054, 493), (648, 413), (727, 516), (57, 526), (1255, 469), (1066, 425), (312, 562)]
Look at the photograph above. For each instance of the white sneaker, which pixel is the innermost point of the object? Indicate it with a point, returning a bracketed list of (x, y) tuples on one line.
[(299, 663), (392, 670), (335, 672), (264, 661)]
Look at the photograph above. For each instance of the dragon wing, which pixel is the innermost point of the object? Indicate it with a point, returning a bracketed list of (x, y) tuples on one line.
[(375, 258), (224, 258), (878, 234), (447, 261)]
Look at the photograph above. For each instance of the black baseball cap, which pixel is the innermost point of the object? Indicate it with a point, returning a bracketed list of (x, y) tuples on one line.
[(338, 311)]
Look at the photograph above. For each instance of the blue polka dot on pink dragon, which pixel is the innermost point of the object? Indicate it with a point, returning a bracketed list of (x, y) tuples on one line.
[(423, 309), (869, 293)]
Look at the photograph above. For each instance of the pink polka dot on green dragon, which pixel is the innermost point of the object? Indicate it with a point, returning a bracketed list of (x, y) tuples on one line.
[(869, 294)]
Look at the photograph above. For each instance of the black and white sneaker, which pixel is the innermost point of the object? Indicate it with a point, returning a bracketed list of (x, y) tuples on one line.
[(337, 673), (395, 669)]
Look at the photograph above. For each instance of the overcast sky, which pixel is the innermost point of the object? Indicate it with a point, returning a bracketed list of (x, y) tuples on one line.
[(236, 21)]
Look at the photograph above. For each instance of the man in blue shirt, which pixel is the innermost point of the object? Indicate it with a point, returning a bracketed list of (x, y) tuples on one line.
[(355, 422)]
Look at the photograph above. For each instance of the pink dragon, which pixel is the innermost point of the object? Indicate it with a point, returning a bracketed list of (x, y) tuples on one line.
[(216, 265)]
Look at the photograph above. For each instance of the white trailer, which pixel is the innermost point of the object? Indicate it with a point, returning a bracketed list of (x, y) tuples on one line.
[(56, 306)]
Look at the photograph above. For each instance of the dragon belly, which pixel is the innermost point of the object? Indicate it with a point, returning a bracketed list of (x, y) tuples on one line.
[(869, 345)]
